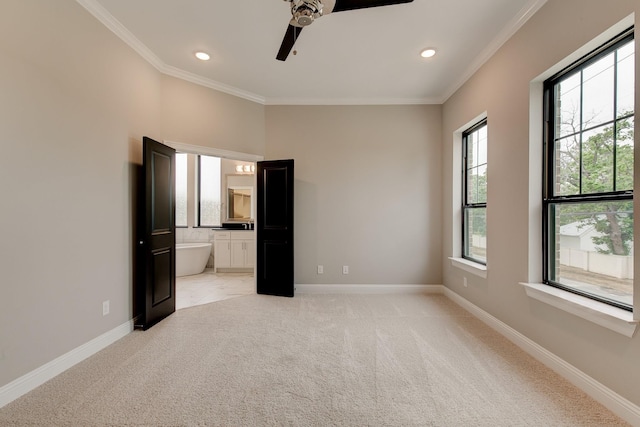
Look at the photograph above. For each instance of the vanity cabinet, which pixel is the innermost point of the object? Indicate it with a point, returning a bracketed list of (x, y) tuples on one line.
[(221, 250), (234, 250)]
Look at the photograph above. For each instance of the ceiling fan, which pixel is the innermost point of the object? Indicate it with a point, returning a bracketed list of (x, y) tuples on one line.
[(304, 12)]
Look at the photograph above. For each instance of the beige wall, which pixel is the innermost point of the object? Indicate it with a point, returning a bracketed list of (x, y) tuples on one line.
[(75, 104), (501, 89), (70, 126), (193, 114), (374, 184), (367, 191)]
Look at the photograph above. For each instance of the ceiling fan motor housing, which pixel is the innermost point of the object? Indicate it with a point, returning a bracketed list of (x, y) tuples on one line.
[(306, 11)]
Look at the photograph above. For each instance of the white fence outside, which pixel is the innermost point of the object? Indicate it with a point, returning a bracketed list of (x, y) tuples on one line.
[(479, 241), (620, 267)]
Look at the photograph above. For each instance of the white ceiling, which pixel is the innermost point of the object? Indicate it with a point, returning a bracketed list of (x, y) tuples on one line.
[(366, 56)]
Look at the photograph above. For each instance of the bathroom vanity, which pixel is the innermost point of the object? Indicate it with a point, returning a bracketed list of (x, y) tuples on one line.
[(234, 250)]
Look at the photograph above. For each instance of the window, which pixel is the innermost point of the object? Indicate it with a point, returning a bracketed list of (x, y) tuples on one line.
[(209, 203), (474, 193), (181, 189), (588, 175)]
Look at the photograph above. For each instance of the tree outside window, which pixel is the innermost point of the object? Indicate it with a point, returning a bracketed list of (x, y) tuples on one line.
[(589, 176), (474, 208)]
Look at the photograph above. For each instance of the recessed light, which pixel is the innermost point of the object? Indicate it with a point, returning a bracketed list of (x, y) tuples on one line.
[(203, 56), (428, 53)]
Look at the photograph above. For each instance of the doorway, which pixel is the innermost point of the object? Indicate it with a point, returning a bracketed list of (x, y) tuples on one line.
[(200, 221)]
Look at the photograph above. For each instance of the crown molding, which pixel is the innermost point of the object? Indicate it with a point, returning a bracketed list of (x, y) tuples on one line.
[(109, 21), (352, 101), (212, 84), (509, 30)]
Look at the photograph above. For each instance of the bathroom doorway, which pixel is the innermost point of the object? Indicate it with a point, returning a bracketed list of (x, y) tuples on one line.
[(201, 212)]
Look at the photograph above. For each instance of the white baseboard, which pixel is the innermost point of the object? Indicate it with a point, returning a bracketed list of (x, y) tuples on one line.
[(613, 401), (44, 373), (368, 289)]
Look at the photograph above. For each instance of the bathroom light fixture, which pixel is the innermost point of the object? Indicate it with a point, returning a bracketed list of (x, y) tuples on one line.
[(428, 53), (203, 56), (245, 168)]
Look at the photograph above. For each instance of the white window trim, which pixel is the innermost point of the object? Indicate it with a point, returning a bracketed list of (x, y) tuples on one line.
[(469, 266), (605, 315), (457, 261)]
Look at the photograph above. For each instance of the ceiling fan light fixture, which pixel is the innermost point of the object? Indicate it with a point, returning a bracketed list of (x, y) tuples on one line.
[(306, 11), (203, 56), (303, 17), (428, 52)]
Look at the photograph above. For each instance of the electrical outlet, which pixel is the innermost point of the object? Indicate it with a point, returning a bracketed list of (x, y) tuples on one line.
[(345, 269), (320, 269), (105, 307), (464, 282)]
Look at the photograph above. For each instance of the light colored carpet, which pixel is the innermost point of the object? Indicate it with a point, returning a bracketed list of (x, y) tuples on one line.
[(314, 360)]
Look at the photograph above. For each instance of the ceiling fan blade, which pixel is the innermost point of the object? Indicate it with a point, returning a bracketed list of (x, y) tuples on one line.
[(289, 40), (342, 5)]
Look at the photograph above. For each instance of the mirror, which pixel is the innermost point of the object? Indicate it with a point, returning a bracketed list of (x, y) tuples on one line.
[(239, 201), (239, 197)]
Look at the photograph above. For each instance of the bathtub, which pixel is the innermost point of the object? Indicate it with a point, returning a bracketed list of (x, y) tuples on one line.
[(191, 258)]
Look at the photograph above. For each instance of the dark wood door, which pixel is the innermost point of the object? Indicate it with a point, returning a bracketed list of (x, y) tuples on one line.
[(157, 271), (275, 228)]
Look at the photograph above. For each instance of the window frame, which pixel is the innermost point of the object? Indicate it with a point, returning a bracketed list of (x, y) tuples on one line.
[(549, 198), (199, 196), (187, 190), (466, 206)]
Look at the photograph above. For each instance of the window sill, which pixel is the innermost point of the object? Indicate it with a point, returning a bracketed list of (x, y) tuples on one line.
[(605, 315), (479, 270)]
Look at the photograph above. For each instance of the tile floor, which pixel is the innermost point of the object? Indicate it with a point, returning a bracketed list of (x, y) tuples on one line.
[(209, 287)]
